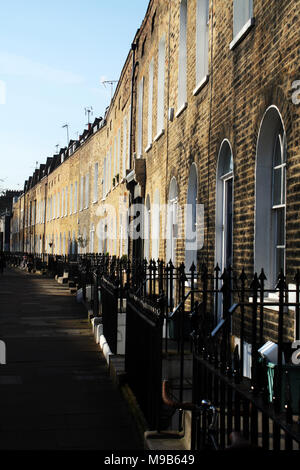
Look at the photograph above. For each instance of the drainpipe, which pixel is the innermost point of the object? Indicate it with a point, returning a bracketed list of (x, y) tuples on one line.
[(134, 65), (211, 77), (168, 124)]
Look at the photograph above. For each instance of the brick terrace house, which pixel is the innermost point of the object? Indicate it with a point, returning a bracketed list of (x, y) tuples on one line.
[(6, 205), (206, 111)]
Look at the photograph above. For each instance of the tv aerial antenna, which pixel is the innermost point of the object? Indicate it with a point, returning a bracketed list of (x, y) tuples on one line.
[(89, 112), (66, 126), (111, 83)]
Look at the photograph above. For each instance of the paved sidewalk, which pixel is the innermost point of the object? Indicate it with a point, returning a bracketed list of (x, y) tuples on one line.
[(55, 391)]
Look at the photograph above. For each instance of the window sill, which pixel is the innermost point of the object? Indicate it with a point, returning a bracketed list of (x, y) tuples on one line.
[(201, 85), (158, 136), (242, 34), (148, 148), (181, 109), (270, 299)]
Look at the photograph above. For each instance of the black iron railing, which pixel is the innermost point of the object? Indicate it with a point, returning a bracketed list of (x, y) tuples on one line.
[(225, 319)]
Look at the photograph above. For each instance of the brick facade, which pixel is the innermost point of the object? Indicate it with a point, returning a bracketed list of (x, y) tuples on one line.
[(244, 81)]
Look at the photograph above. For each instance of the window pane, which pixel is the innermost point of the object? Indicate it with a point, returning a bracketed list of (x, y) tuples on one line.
[(280, 215), (229, 222), (161, 85), (242, 12), (202, 38), (284, 148), (283, 196), (182, 72), (225, 160), (277, 187), (279, 260), (277, 152)]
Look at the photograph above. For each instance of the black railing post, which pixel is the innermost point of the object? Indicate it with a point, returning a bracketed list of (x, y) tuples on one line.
[(243, 279), (297, 309), (217, 273), (182, 325), (262, 278), (171, 285), (282, 287), (204, 279), (226, 352), (192, 271), (254, 287)]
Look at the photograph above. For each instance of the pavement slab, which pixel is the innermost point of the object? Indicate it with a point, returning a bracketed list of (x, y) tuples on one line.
[(55, 390)]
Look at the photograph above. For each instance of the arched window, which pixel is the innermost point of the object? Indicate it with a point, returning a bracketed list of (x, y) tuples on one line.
[(182, 71), (92, 238), (270, 197), (147, 230), (155, 221), (191, 220), (172, 221), (224, 207)]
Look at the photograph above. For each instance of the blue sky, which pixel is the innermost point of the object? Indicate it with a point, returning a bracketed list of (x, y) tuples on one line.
[(53, 57)]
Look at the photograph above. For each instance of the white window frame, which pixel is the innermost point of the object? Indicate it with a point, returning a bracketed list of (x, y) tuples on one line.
[(125, 147), (87, 191), (62, 202), (277, 207), (104, 178), (150, 105), (96, 178), (241, 28), (54, 206), (202, 44), (161, 88), (272, 125), (182, 59), (140, 118), (71, 199), (66, 202), (76, 197), (115, 157), (81, 193)]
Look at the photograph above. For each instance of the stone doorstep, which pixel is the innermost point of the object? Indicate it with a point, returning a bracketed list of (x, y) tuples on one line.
[(165, 440), (170, 440), (117, 369)]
